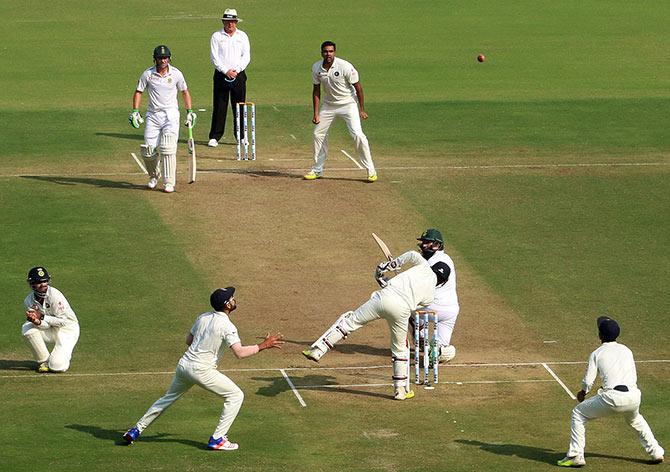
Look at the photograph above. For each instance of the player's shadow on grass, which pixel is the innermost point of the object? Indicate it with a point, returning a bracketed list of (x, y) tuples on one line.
[(538, 454), (129, 136), (114, 435), (11, 364), (347, 348), (104, 183), (321, 383)]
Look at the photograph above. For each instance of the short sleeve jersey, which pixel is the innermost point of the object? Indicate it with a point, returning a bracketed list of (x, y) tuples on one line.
[(212, 332), (55, 305), (162, 89), (336, 82)]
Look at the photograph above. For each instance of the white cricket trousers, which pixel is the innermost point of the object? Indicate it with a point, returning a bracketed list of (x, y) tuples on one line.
[(390, 307), (64, 340), (189, 374), (349, 112), (446, 321), (606, 403), (160, 122)]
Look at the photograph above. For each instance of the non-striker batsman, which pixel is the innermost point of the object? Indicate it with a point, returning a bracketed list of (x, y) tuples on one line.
[(161, 132)]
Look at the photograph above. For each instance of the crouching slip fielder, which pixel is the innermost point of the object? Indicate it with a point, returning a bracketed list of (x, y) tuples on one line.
[(50, 320), (161, 132), (618, 394), (445, 305), (407, 291), (211, 331)]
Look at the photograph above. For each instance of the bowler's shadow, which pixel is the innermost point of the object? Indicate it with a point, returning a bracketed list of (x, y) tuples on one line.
[(11, 364), (103, 183), (538, 454), (129, 136), (277, 385), (115, 436)]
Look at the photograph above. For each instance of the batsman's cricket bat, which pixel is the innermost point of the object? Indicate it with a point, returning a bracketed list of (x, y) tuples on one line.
[(382, 245), (192, 159)]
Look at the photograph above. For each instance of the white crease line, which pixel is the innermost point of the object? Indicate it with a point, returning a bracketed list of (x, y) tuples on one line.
[(352, 159), (144, 169), (293, 136), (560, 382), (275, 108), (270, 369), (401, 168), (290, 384), (450, 382)]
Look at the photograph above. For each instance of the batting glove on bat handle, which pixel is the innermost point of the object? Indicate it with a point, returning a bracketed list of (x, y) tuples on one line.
[(191, 118), (135, 118)]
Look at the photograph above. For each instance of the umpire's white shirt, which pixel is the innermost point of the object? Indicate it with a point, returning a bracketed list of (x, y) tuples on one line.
[(230, 51), (416, 285), (212, 331), (56, 309), (162, 89), (336, 82), (615, 364)]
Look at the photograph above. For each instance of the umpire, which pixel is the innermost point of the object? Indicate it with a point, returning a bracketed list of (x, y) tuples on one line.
[(230, 54)]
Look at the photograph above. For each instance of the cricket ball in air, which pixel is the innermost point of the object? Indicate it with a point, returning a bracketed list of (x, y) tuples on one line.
[(481, 58)]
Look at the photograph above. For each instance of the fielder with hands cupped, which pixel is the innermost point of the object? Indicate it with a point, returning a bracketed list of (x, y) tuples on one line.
[(210, 334), (161, 133)]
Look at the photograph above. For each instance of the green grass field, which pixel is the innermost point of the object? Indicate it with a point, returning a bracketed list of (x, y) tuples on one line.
[(546, 168)]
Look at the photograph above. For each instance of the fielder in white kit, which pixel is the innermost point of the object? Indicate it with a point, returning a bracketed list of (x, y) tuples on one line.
[(615, 364), (51, 320), (198, 366), (395, 301), (342, 96), (445, 305), (161, 132)]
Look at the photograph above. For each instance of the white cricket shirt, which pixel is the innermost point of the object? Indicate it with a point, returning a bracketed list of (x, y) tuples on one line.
[(416, 285), (211, 332), (336, 82), (615, 364), (162, 89), (445, 295), (56, 309), (230, 52)]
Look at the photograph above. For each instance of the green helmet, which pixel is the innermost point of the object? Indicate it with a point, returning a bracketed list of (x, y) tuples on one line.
[(162, 51), (431, 234)]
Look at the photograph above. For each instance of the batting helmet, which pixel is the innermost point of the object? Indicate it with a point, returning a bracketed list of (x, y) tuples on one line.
[(38, 275), (162, 51), (431, 234)]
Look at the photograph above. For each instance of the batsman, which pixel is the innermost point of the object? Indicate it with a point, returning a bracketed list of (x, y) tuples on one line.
[(411, 289), (161, 132)]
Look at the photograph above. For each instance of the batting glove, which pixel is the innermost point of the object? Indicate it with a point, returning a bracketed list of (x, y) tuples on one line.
[(135, 119), (190, 118), (388, 265)]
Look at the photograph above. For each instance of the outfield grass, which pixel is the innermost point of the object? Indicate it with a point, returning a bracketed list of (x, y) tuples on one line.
[(505, 157)]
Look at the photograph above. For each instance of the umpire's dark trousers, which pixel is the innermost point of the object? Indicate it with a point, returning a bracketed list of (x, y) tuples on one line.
[(224, 90)]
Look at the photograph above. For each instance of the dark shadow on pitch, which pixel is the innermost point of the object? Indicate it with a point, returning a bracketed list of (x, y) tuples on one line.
[(94, 182), (321, 383), (11, 364), (348, 348), (115, 436), (128, 136), (532, 453)]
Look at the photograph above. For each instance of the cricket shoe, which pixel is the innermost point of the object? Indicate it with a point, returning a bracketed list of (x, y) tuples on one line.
[(309, 354), (43, 368), (572, 461), (372, 177), (447, 353), (169, 188), (131, 435), (312, 175), (402, 394), (212, 143), (657, 459), (153, 182), (221, 444)]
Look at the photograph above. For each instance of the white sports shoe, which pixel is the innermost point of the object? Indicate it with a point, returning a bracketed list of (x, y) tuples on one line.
[(169, 188), (447, 353), (153, 181), (212, 143)]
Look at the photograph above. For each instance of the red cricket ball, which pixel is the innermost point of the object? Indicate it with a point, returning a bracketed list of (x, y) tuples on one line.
[(481, 58)]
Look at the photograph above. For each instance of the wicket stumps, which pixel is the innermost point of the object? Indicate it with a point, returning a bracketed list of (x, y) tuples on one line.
[(243, 130), (430, 356)]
